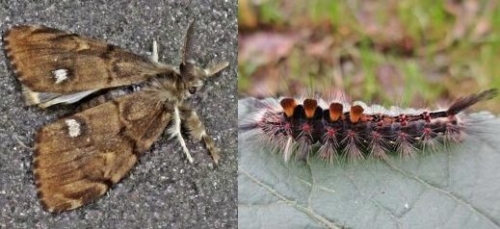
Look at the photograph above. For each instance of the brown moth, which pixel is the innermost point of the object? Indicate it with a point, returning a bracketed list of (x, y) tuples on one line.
[(79, 157)]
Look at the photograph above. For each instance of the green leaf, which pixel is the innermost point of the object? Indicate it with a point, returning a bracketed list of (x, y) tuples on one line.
[(456, 188)]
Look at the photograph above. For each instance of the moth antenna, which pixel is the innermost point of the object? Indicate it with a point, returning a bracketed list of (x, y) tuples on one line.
[(215, 69), (186, 66), (187, 49), (465, 102)]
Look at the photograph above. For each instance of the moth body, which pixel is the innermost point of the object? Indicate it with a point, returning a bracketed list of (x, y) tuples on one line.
[(78, 158)]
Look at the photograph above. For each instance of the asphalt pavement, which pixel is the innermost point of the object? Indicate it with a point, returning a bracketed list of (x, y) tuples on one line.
[(163, 190)]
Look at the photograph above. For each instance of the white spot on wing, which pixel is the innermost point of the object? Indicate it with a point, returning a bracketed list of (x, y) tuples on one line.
[(60, 75), (73, 127)]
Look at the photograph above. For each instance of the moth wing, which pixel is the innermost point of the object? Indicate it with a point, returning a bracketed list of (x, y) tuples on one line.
[(51, 63), (79, 157)]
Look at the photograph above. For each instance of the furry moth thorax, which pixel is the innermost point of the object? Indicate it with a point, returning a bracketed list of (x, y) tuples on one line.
[(177, 86)]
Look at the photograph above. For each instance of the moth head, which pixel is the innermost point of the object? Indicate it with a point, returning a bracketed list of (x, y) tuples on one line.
[(193, 77)]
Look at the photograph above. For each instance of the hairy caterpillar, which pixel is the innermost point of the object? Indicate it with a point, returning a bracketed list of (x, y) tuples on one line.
[(352, 132)]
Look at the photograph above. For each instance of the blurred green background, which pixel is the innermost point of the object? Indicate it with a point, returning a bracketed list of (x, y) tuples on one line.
[(403, 52)]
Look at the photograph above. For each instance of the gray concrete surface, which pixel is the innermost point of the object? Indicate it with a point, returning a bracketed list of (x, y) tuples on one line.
[(163, 190)]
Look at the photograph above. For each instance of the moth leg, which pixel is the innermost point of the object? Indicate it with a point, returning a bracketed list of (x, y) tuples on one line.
[(175, 131), (197, 130)]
